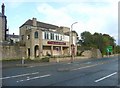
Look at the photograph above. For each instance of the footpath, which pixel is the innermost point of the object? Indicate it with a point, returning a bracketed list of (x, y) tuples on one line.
[(27, 63)]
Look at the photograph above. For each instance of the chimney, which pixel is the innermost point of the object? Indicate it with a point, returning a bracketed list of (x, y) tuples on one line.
[(34, 22), (3, 9)]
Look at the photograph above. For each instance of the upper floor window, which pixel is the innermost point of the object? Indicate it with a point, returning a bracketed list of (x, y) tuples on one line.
[(56, 37), (28, 37), (22, 37), (46, 35), (61, 37), (52, 36), (36, 34)]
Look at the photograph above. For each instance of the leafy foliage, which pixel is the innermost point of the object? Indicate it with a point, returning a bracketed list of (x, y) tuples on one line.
[(98, 41)]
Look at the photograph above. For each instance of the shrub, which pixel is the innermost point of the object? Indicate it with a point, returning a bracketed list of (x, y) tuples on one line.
[(45, 59)]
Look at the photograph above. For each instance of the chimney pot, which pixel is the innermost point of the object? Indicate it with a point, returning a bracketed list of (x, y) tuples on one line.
[(34, 22)]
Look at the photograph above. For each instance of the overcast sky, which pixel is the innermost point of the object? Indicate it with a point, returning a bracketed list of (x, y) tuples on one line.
[(92, 15)]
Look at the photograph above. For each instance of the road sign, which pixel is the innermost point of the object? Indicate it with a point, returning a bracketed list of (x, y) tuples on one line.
[(109, 48)]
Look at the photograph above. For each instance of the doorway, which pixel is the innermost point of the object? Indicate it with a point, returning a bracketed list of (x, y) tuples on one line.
[(36, 51)]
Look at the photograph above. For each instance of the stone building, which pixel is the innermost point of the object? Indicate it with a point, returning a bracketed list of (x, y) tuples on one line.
[(41, 39), (8, 49), (36, 40), (13, 38), (3, 25), (4, 36)]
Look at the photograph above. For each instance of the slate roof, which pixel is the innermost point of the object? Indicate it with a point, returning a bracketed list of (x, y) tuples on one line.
[(40, 24), (12, 36)]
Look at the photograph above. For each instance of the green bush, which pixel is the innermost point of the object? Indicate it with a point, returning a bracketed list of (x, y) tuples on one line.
[(10, 59), (45, 59)]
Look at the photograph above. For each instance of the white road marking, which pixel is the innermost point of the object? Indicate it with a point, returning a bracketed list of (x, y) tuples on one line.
[(28, 77), (105, 77), (84, 67), (88, 62), (88, 66), (34, 78), (31, 66), (68, 63), (20, 75)]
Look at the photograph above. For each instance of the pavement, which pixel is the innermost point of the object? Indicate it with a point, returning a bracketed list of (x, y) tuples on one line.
[(18, 63), (12, 64)]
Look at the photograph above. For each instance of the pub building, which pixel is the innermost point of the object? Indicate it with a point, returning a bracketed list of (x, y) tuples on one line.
[(42, 39)]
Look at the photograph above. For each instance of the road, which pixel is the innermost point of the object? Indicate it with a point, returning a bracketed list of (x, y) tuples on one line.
[(92, 72)]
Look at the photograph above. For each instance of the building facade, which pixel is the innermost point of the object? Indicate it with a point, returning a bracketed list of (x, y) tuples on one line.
[(12, 38), (36, 40), (3, 24), (9, 49), (41, 39)]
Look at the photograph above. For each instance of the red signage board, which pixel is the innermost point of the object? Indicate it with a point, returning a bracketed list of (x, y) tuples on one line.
[(56, 43)]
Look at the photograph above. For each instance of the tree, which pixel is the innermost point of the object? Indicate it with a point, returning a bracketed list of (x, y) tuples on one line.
[(86, 38), (98, 41), (117, 49)]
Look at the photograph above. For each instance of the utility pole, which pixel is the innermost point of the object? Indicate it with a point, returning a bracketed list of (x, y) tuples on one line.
[(72, 45)]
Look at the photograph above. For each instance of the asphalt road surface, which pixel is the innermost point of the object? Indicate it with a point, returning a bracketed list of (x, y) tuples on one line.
[(95, 72)]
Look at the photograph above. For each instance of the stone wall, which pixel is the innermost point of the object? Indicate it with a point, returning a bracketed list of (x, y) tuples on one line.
[(12, 52), (66, 59), (87, 53), (94, 53)]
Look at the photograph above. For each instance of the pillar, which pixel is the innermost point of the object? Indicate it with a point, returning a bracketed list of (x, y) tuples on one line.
[(61, 48), (52, 50)]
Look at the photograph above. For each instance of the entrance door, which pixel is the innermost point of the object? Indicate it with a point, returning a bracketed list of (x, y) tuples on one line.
[(28, 52), (36, 51)]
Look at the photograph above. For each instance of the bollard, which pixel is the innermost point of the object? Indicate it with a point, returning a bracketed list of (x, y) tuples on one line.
[(57, 60), (23, 60)]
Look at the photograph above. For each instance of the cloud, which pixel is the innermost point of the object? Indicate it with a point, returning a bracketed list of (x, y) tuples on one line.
[(14, 3), (62, 1), (56, 16), (91, 16)]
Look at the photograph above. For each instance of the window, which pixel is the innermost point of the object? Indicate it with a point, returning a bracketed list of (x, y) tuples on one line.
[(61, 37), (22, 37), (56, 37), (28, 37), (36, 34), (52, 36), (46, 35)]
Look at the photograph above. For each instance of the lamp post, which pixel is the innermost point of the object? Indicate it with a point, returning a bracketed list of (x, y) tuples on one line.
[(72, 45)]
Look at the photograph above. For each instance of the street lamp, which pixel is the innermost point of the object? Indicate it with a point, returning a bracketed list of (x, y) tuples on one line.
[(72, 45)]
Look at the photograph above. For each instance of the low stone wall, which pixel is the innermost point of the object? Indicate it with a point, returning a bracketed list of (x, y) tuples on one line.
[(94, 53), (66, 59), (12, 52), (87, 53)]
